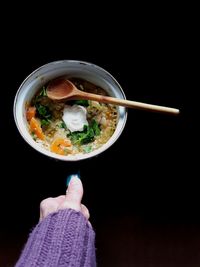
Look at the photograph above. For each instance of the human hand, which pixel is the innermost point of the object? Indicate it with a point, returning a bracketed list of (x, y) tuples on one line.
[(72, 200)]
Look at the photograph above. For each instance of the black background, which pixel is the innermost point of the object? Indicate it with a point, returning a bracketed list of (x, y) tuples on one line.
[(143, 192)]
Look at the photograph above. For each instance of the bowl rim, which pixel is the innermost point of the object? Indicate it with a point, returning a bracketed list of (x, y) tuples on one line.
[(76, 157)]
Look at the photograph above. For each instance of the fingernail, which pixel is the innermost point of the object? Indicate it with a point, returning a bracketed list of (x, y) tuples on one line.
[(77, 175)]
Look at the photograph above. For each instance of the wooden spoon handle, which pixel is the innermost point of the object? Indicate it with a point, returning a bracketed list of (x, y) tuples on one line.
[(128, 103)]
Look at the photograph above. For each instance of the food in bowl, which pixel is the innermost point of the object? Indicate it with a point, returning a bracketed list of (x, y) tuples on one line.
[(71, 127), (32, 87)]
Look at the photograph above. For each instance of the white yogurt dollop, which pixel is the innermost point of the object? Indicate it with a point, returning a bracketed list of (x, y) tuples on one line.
[(75, 117)]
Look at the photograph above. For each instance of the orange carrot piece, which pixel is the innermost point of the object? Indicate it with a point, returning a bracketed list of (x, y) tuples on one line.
[(30, 113), (59, 146), (36, 128)]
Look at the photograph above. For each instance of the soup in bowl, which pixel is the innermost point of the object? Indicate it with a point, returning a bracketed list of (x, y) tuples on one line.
[(74, 129)]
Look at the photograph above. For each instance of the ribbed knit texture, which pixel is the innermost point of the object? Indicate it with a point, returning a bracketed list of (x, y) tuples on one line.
[(62, 239)]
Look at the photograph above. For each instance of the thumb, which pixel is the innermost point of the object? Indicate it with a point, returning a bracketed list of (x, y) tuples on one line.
[(74, 192)]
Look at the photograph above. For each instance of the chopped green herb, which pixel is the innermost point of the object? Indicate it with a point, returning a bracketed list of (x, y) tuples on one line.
[(43, 91), (40, 96), (84, 137), (87, 149), (84, 103), (45, 122), (63, 125), (34, 136), (43, 112), (87, 135), (95, 127)]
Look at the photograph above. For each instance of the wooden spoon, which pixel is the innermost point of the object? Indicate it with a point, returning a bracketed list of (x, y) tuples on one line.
[(63, 89)]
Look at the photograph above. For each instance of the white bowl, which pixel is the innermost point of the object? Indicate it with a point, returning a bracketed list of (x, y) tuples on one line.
[(69, 68)]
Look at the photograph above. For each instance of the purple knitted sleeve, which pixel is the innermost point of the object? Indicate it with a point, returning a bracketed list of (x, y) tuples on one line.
[(62, 239)]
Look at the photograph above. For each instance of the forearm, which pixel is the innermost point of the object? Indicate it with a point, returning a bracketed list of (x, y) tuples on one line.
[(63, 238)]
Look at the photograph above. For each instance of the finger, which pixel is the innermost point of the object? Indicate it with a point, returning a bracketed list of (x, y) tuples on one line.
[(60, 199), (48, 206), (85, 211), (41, 216), (75, 191)]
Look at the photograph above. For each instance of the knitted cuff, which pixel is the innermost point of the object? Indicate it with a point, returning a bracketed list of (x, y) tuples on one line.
[(63, 239)]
